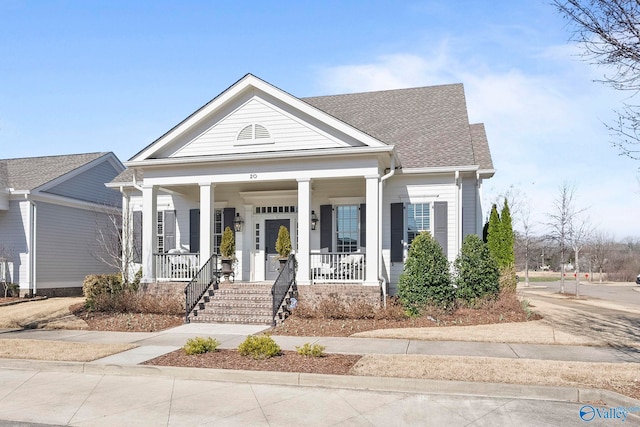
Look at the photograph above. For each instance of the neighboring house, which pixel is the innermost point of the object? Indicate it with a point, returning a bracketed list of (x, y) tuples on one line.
[(51, 209), (353, 177)]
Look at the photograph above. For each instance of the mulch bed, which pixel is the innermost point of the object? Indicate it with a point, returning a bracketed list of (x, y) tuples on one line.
[(125, 322), (287, 361)]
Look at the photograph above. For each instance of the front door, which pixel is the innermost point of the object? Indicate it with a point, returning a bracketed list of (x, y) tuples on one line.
[(272, 226)]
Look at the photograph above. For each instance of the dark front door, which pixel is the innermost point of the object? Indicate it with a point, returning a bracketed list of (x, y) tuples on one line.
[(272, 226)]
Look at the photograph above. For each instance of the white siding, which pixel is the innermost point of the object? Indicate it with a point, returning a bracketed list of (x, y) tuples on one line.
[(66, 248), (417, 188), (287, 133), (89, 186), (14, 240)]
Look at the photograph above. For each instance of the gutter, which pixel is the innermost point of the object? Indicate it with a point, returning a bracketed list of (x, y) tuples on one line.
[(33, 212), (392, 171)]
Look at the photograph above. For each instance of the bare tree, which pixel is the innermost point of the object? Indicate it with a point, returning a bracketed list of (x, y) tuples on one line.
[(609, 33), (579, 234), (115, 245), (526, 236), (601, 247), (560, 223)]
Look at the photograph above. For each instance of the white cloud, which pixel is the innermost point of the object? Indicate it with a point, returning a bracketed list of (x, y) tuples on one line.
[(542, 128)]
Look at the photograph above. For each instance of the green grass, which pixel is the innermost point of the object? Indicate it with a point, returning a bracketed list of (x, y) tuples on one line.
[(542, 279)]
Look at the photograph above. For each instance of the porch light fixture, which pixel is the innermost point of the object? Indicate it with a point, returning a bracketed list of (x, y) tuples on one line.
[(314, 220), (237, 222)]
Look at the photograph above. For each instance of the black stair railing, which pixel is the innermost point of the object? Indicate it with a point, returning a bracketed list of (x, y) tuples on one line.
[(196, 288), (283, 283)]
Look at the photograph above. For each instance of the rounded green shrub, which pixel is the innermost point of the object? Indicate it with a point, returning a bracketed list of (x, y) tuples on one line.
[(259, 347), (477, 274), (425, 278), (307, 349), (99, 286), (199, 345)]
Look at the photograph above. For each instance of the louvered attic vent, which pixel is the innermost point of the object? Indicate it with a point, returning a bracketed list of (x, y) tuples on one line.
[(253, 134)]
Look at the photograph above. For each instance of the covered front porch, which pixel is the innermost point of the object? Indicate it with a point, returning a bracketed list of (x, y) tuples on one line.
[(333, 221)]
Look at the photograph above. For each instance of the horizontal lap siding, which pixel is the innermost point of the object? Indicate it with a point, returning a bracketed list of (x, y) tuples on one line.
[(67, 246), (401, 188), (14, 240), (287, 133), (89, 186)]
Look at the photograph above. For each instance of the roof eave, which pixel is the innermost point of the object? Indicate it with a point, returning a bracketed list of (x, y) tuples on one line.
[(263, 156)]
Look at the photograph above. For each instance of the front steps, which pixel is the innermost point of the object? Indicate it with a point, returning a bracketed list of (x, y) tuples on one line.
[(240, 302)]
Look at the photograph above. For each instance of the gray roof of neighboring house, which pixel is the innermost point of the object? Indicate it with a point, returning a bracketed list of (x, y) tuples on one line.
[(126, 176), (429, 126), (29, 173)]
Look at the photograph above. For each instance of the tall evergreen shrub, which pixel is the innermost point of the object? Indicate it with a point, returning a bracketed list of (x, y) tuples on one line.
[(425, 278), (476, 271)]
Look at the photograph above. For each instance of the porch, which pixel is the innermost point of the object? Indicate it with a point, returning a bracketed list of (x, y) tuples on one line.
[(325, 267)]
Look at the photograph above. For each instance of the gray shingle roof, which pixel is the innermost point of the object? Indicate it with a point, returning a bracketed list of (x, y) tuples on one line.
[(480, 146), (428, 125), (126, 176), (29, 173)]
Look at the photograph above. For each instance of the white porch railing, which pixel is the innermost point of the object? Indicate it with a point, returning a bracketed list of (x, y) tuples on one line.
[(332, 267), (176, 266)]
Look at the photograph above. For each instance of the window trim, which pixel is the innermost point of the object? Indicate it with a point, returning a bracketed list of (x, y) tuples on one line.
[(335, 230)]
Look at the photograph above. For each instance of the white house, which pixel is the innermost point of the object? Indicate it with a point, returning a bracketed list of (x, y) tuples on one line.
[(353, 177), (51, 209)]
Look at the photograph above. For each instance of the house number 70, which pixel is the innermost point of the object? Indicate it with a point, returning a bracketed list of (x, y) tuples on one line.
[(253, 176)]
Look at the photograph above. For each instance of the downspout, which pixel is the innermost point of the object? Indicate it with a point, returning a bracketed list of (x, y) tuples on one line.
[(459, 212), (32, 252), (392, 171)]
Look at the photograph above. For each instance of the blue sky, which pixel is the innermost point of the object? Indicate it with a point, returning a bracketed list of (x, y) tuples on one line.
[(83, 76)]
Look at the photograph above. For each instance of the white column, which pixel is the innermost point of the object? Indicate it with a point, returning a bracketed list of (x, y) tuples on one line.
[(304, 228), (207, 218), (149, 231), (127, 236), (372, 256), (248, 243)]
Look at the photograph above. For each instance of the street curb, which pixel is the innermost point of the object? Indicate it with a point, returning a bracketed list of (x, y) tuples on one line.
[(389, 384)]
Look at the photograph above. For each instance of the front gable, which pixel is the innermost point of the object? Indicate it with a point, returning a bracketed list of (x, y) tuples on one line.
[(257, 126), (227, 126)]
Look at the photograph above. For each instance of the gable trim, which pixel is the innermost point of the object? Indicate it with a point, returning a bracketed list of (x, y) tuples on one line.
[(263, 156), (251, 83)]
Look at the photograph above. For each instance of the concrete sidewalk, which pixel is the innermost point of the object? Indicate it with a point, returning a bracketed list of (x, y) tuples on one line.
[(116, 390), (154, 344)]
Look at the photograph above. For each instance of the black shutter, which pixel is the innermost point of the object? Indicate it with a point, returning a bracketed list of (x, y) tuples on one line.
[(228, 214), (440, 224), (363, 225), (397, 231), (326, 227), (194, 230), (169, 230), (137, 237)]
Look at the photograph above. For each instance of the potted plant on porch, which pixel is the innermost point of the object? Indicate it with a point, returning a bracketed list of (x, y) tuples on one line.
[(227, 250), (283, 245)]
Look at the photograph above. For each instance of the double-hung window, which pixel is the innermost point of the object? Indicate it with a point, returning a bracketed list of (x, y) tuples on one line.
[(418, 219)]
